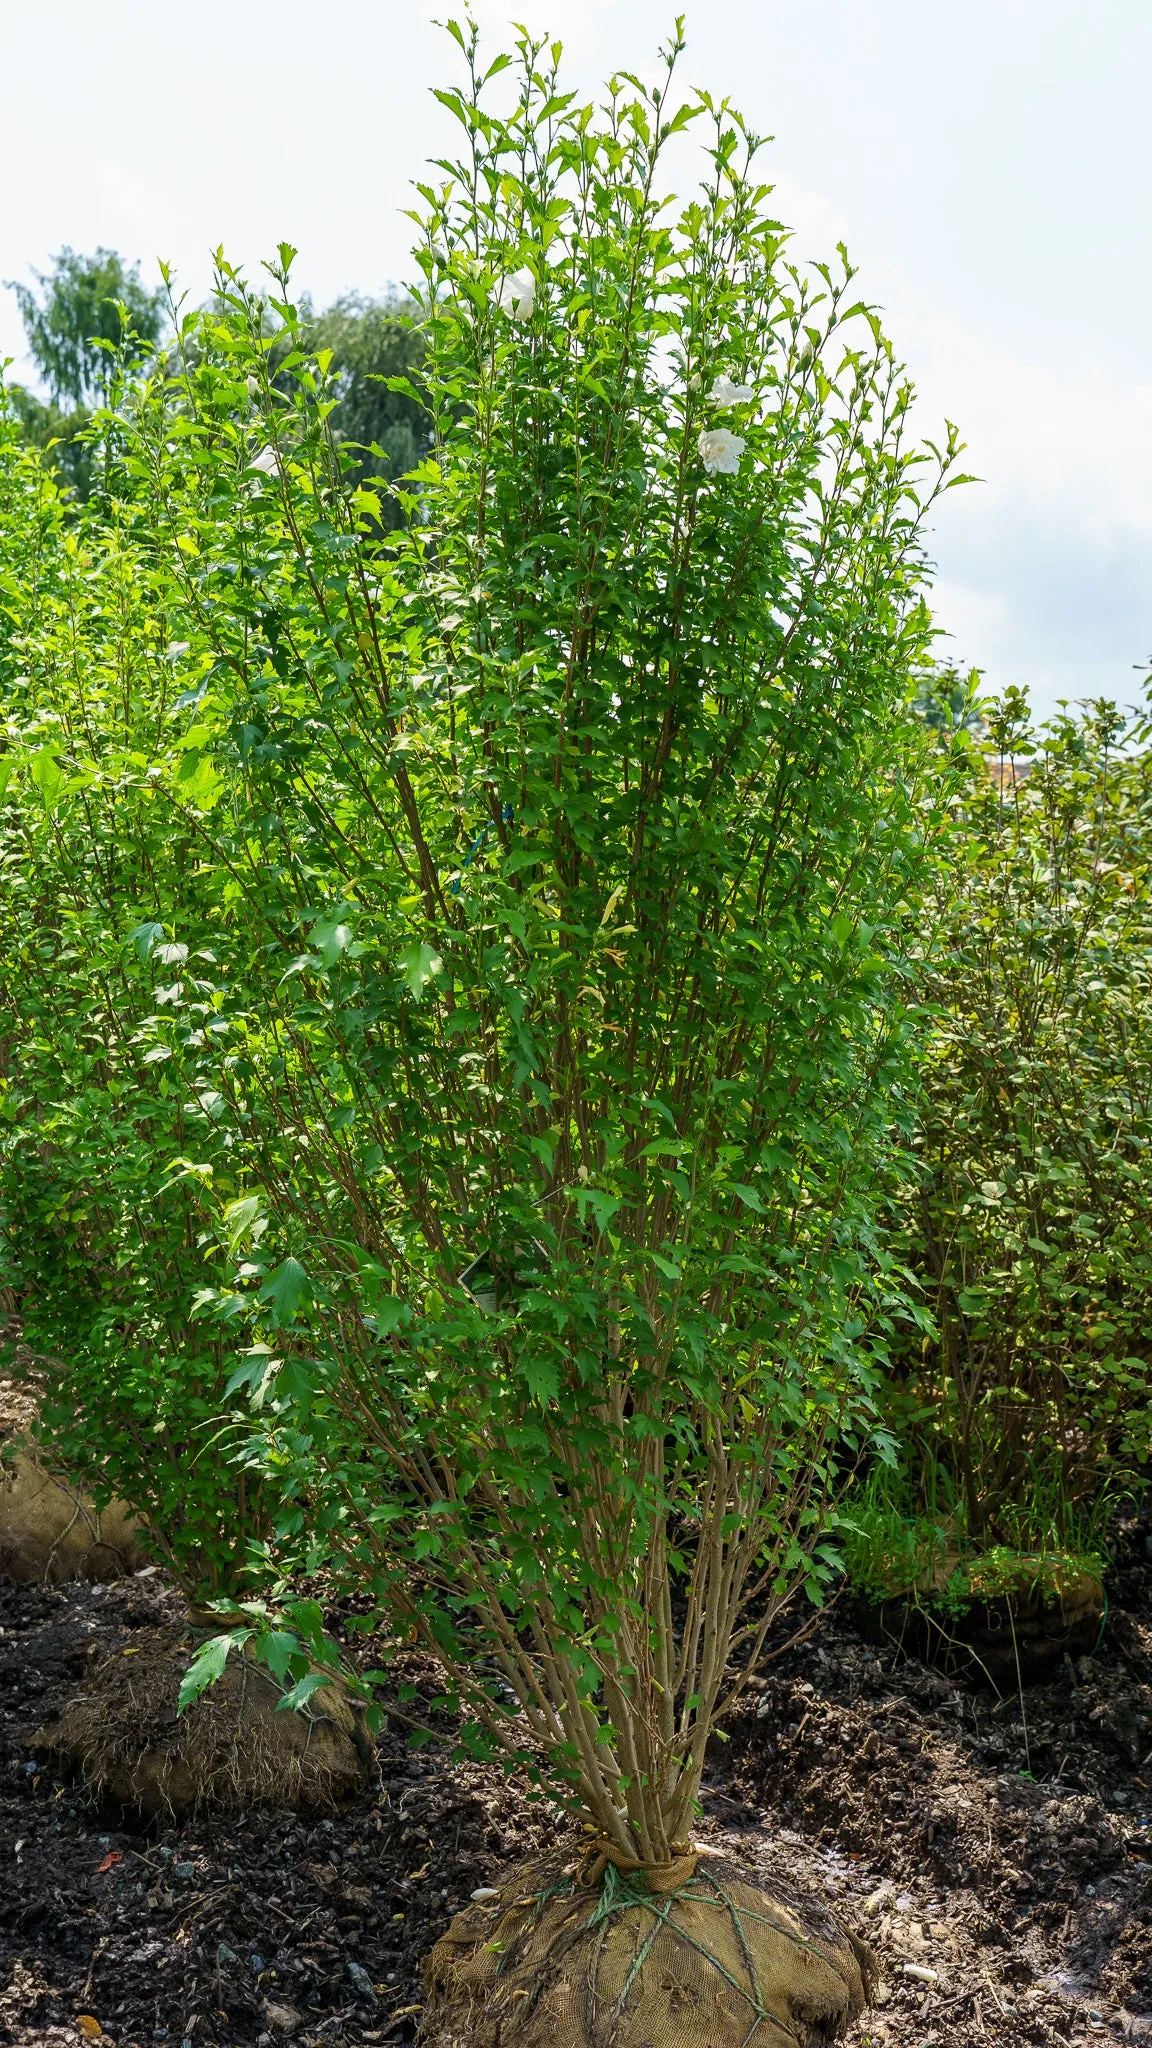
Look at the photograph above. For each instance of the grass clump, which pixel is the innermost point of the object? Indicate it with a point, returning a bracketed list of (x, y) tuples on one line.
[(902, 1542)]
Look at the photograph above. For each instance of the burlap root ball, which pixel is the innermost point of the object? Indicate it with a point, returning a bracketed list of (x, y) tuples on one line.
[(50, 1530), (714, 1961), (232, 1749)]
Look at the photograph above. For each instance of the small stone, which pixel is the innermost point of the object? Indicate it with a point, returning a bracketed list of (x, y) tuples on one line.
[(283, 2019), (361, 1981), (876, 1899)]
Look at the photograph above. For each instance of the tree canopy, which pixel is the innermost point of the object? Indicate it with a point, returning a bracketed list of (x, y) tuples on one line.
[(90, 316), (376, 344), (88, 311)]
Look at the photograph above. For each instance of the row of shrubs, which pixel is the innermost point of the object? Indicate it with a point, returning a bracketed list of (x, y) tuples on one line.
[(1023, 1401)]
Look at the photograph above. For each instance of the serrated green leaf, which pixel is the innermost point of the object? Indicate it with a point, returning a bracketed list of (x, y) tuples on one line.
[(207, 1667), (287, 1289), (419, 964)]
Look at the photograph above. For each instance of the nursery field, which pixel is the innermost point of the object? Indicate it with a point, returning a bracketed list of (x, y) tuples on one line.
[(575, 1116)]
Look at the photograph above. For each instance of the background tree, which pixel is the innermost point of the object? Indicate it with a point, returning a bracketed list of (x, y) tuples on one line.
[(88, 311), (375, 344), (89, 318)]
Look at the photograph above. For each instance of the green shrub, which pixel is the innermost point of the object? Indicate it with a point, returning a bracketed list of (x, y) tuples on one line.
[(1028, 1219), (543, 878), (102, 1236)]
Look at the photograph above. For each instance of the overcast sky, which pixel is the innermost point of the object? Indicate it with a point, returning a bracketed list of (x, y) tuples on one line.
[(986, 163)]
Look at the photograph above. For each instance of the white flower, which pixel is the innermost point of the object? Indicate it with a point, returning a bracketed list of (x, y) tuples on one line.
[(720, 451), (253, 384), (725, 392), (517, 295), (268, 461)]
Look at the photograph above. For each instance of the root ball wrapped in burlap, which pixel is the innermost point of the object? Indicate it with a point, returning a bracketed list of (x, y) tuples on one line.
[(52, 1531), (692, 1955), (231, 1750)]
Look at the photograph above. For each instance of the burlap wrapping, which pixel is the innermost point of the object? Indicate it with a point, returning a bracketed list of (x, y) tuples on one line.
[(51, 1532), (232, 1749), (702, 1957)]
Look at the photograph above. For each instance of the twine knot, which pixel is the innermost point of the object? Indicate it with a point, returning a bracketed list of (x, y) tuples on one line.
[(679, 1869)]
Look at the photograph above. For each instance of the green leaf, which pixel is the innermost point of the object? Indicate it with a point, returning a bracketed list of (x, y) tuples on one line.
[(277, 1650), (144, 938), (331, 938), (419, 964), (302, 1692), (46, 773), (253, 1373), (207, 1667), (198, 780), (242, 1220), (543, 1379), (287, 1289)]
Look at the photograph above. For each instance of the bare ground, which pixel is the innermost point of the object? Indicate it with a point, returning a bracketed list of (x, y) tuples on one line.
[(998, 1853)]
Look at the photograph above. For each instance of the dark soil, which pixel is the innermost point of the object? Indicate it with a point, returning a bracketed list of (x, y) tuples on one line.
[(1001, 1847)]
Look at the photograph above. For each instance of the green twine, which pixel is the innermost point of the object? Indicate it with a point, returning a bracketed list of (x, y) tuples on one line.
[(621, 1891)]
